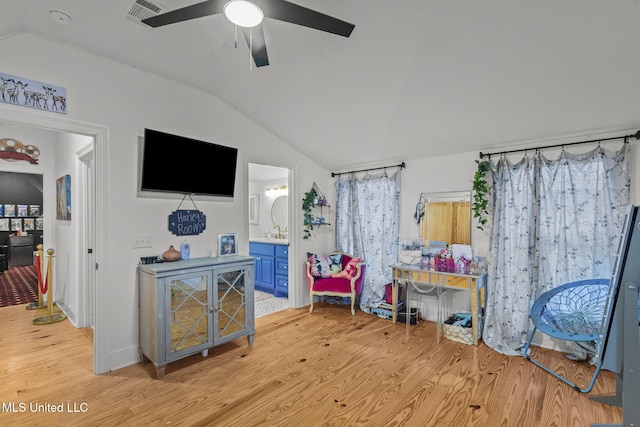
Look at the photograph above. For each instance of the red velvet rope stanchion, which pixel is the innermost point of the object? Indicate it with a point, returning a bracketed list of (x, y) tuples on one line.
[(42, 288), (48, 285)]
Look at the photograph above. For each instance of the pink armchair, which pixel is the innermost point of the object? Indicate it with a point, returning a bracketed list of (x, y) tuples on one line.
[(346, 283)]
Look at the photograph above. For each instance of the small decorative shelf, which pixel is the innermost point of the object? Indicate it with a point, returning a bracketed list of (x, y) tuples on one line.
[(317, 211)]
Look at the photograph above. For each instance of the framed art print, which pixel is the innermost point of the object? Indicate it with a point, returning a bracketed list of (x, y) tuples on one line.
[(29, 224), (9, 210), (39, 223), (34, 210), (4, 224), (254, 208), (63, 198), (16, 224), (227, 244), (23, 210), (1, 210)]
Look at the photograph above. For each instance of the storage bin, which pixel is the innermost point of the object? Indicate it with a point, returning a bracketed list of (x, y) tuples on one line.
[(458, 333), (413, 316)]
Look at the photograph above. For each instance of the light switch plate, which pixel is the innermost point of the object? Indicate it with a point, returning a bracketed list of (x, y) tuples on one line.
[(141, 241)]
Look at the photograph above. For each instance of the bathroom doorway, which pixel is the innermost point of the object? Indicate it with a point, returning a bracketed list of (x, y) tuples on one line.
[(269, 224)]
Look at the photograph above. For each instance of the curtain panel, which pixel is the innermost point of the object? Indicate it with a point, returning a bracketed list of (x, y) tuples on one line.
[(367, 225), (553, 222)]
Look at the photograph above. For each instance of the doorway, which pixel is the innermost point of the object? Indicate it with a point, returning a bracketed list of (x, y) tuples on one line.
[(92, 224), (21, 232), (269, 225)]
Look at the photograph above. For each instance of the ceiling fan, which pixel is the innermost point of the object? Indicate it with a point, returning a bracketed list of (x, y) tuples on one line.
[(249, 14)]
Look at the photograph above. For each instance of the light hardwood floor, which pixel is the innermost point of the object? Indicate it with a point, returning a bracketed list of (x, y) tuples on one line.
[(322, 369)]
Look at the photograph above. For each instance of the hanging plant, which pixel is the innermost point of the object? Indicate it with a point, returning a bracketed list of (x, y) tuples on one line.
[(307, 205), (480, 204)]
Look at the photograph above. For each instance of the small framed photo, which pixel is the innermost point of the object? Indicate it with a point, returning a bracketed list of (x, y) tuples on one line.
[(9, 210), (16, 224), (1, 210), (29, 224), (228, 244), (23, 210), (34, 210), (4, 224), (39, 224)]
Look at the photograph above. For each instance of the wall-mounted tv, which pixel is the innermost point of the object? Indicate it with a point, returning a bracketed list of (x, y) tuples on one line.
[(180, 165)]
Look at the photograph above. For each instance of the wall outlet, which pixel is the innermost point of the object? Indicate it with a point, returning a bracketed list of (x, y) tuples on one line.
[(141, 241)]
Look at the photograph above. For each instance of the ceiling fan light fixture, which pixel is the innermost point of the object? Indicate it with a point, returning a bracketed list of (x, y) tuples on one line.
[(243, 13)]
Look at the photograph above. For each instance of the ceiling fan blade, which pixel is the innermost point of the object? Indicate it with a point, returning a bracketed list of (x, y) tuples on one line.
[(285, 11), (198, 10), (255, 39)]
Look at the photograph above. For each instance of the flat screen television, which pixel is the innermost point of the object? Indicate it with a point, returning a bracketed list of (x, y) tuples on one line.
[(180, 165)]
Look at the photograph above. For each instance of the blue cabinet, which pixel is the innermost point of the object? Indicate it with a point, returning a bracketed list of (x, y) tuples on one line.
[(271, 267), (282, 271)]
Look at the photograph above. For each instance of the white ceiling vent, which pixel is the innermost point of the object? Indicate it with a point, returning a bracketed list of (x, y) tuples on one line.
[(143, 9)]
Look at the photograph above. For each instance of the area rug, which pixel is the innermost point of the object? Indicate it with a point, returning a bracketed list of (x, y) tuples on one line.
[(259, 295), (270, 305), (19, 285)]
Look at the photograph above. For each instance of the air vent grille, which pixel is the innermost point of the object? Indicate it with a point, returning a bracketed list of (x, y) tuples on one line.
[(143, 9)]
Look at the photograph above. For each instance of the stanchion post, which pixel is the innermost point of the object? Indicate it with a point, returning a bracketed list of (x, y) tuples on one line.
[(50, 317), (50, 253), (39, 264)]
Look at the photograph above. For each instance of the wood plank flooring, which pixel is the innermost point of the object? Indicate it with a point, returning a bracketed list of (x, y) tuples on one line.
[(322, 369)]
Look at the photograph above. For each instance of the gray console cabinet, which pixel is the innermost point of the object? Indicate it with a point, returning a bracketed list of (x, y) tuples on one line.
[(187, 307)]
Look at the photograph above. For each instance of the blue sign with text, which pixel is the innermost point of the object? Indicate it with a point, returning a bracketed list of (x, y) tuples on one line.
[(187, 222)]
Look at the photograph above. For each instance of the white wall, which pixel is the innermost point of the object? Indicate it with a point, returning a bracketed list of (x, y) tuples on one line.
[(125, 100)]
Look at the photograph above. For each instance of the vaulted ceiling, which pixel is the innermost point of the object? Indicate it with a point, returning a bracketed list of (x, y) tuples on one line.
[(416, 78)]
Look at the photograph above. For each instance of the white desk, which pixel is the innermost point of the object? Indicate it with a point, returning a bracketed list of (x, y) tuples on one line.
[(422, 279)]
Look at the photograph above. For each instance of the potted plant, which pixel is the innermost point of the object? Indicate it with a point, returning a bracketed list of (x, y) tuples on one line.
[(480, 204), (309, 200)]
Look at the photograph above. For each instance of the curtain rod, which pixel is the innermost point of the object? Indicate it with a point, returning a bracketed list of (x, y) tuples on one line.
[(635, 135), (401, 166)]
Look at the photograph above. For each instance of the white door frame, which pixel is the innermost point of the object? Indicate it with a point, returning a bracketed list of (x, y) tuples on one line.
[(295, 295), (86, 231), (100, 134)]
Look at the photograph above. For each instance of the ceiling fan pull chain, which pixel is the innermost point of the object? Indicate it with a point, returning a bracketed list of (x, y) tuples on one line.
[(236, 35)]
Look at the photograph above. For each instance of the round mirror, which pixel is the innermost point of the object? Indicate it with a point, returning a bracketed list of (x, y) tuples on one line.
[(279, 213)]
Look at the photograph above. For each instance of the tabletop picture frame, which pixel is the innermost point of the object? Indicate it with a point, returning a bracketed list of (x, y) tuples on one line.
[(228, 244)]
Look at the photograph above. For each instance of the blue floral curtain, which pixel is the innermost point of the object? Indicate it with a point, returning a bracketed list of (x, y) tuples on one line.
[(553, 222), (367, 226)]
